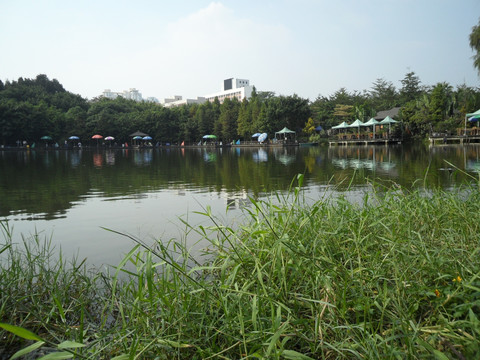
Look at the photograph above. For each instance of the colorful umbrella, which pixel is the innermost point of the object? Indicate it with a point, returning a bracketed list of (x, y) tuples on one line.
[(147, 138), (97, 137), (46, 137), (109, 138), (262, 137), (256, 135), (73, 138)]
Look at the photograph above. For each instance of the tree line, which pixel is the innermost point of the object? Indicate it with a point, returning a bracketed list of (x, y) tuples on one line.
[(33, 108)]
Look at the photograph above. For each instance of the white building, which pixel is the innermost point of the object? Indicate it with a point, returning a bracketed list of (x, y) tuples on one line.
[(233, 88), (177, 100), (131, 94)]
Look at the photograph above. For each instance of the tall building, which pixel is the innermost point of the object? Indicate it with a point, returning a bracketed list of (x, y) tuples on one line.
[(233, 88)]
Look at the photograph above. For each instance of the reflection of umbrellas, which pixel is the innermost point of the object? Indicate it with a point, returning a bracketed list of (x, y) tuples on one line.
[(97, 137), (262, 137), (260, 156), (147, 138), (109, 138), (46, 137), (256, 135), (73, 138)]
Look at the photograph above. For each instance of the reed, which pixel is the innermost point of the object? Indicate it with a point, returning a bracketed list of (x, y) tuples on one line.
[(396, 276)]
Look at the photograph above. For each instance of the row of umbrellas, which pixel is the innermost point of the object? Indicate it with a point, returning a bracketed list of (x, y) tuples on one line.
[(98, 137)]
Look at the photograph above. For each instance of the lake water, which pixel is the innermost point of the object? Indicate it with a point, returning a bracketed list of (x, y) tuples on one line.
[(69, 195)]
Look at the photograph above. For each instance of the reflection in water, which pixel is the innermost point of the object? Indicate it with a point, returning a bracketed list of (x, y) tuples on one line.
[(98, 160), (110, 157), (209, 156), (71, 194), (47, 183), (260, 156), (373, 158)]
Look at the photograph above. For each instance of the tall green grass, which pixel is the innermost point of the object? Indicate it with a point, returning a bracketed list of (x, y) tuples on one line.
[(394, 277)]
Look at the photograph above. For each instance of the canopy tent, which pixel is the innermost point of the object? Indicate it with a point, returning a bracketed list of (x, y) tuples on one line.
[(387, 121), (356, 124), (343, 125), (284, 132), (138, 133), (475, 114), (372, 122)]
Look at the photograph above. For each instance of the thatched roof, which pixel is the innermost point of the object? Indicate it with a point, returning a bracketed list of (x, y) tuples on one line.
[(383, 114)]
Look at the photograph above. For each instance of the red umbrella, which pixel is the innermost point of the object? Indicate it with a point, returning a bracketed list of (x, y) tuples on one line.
[(97, 137)]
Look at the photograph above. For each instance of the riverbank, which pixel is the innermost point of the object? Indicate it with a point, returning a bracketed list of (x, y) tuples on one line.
[(397, 275)]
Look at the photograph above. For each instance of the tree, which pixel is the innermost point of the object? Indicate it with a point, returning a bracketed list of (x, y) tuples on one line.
[(309, 128), (384, 95), (475, 45), (410, 87), (245, 123), (228, 119)]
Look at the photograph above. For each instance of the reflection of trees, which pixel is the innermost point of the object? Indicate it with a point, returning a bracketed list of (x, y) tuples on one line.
[(48, 182)]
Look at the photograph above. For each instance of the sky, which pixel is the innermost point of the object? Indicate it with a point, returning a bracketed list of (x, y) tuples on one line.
[(188, 47)]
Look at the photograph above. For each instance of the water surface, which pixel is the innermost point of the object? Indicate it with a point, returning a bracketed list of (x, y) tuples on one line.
[(70, 194)]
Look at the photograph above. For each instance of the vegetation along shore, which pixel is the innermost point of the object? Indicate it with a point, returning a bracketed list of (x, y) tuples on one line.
[(395, 276), (32, 109)]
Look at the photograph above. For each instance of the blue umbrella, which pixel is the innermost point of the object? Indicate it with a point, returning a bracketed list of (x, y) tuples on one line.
[(318, 128), (256, 135), (474, 118), (147, 138), (262, 137), (73, 138)]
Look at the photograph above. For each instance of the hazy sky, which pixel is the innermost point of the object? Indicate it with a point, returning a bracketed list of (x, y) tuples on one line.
[(187, 47)]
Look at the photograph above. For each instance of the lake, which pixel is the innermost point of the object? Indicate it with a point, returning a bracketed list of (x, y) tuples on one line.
[(69, 195)]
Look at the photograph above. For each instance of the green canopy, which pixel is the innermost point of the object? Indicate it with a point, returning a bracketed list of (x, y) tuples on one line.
[(372, 122), (285, 131), (476, 113), (356, 123), (343, 125), (388, 120)]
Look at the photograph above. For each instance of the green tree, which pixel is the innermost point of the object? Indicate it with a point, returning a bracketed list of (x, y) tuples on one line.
[(228, 118), (384, 95), (245, 120), (475, 45), (410, 87)]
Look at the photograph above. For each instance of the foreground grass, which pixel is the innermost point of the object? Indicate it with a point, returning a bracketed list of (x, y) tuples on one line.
[(395, 277)]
